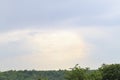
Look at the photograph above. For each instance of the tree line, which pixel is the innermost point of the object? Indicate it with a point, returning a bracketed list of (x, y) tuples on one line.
[(105, 72)]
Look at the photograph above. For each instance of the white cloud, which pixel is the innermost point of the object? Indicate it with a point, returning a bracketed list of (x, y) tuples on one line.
[(55, 47), (10, 36)]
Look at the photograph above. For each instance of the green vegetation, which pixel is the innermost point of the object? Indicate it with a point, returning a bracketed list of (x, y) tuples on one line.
[(105, 72), (78, 73), (32, 75), (110, 72)]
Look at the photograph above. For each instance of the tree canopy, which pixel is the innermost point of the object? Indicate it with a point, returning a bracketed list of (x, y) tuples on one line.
[(105, 72), (110, 72)]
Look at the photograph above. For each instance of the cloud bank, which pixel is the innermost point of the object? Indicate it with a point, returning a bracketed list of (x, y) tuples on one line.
[(88, 28), (54, 48)]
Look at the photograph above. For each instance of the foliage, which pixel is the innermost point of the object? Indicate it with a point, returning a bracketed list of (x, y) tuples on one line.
[(76, 73), (94, 75), (32, 75), (110, 72), (105, 72)]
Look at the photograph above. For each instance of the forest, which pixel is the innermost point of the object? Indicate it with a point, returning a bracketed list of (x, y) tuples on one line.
[(105, 72)]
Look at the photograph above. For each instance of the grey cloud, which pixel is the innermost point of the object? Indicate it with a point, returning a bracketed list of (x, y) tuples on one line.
[(106, 48), (32, 12), (12, 49)]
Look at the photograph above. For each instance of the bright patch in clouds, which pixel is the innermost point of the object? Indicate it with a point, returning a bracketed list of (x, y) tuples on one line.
[(59, 49), (58, 44), (45, 48)]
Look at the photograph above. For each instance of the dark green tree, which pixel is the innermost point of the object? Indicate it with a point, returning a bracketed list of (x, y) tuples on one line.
[(110, 72), (76, 73), (94, 75)]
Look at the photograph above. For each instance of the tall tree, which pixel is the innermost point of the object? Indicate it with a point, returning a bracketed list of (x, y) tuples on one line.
[(76, 73), (110, 72)]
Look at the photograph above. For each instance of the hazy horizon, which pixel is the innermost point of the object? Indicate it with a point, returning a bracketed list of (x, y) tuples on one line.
[(50, 34)]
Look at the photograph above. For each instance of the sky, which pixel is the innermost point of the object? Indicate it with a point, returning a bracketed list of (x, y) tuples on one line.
[(58, 34)]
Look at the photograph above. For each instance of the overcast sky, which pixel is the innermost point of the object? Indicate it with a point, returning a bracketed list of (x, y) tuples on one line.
[(57, 34)]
